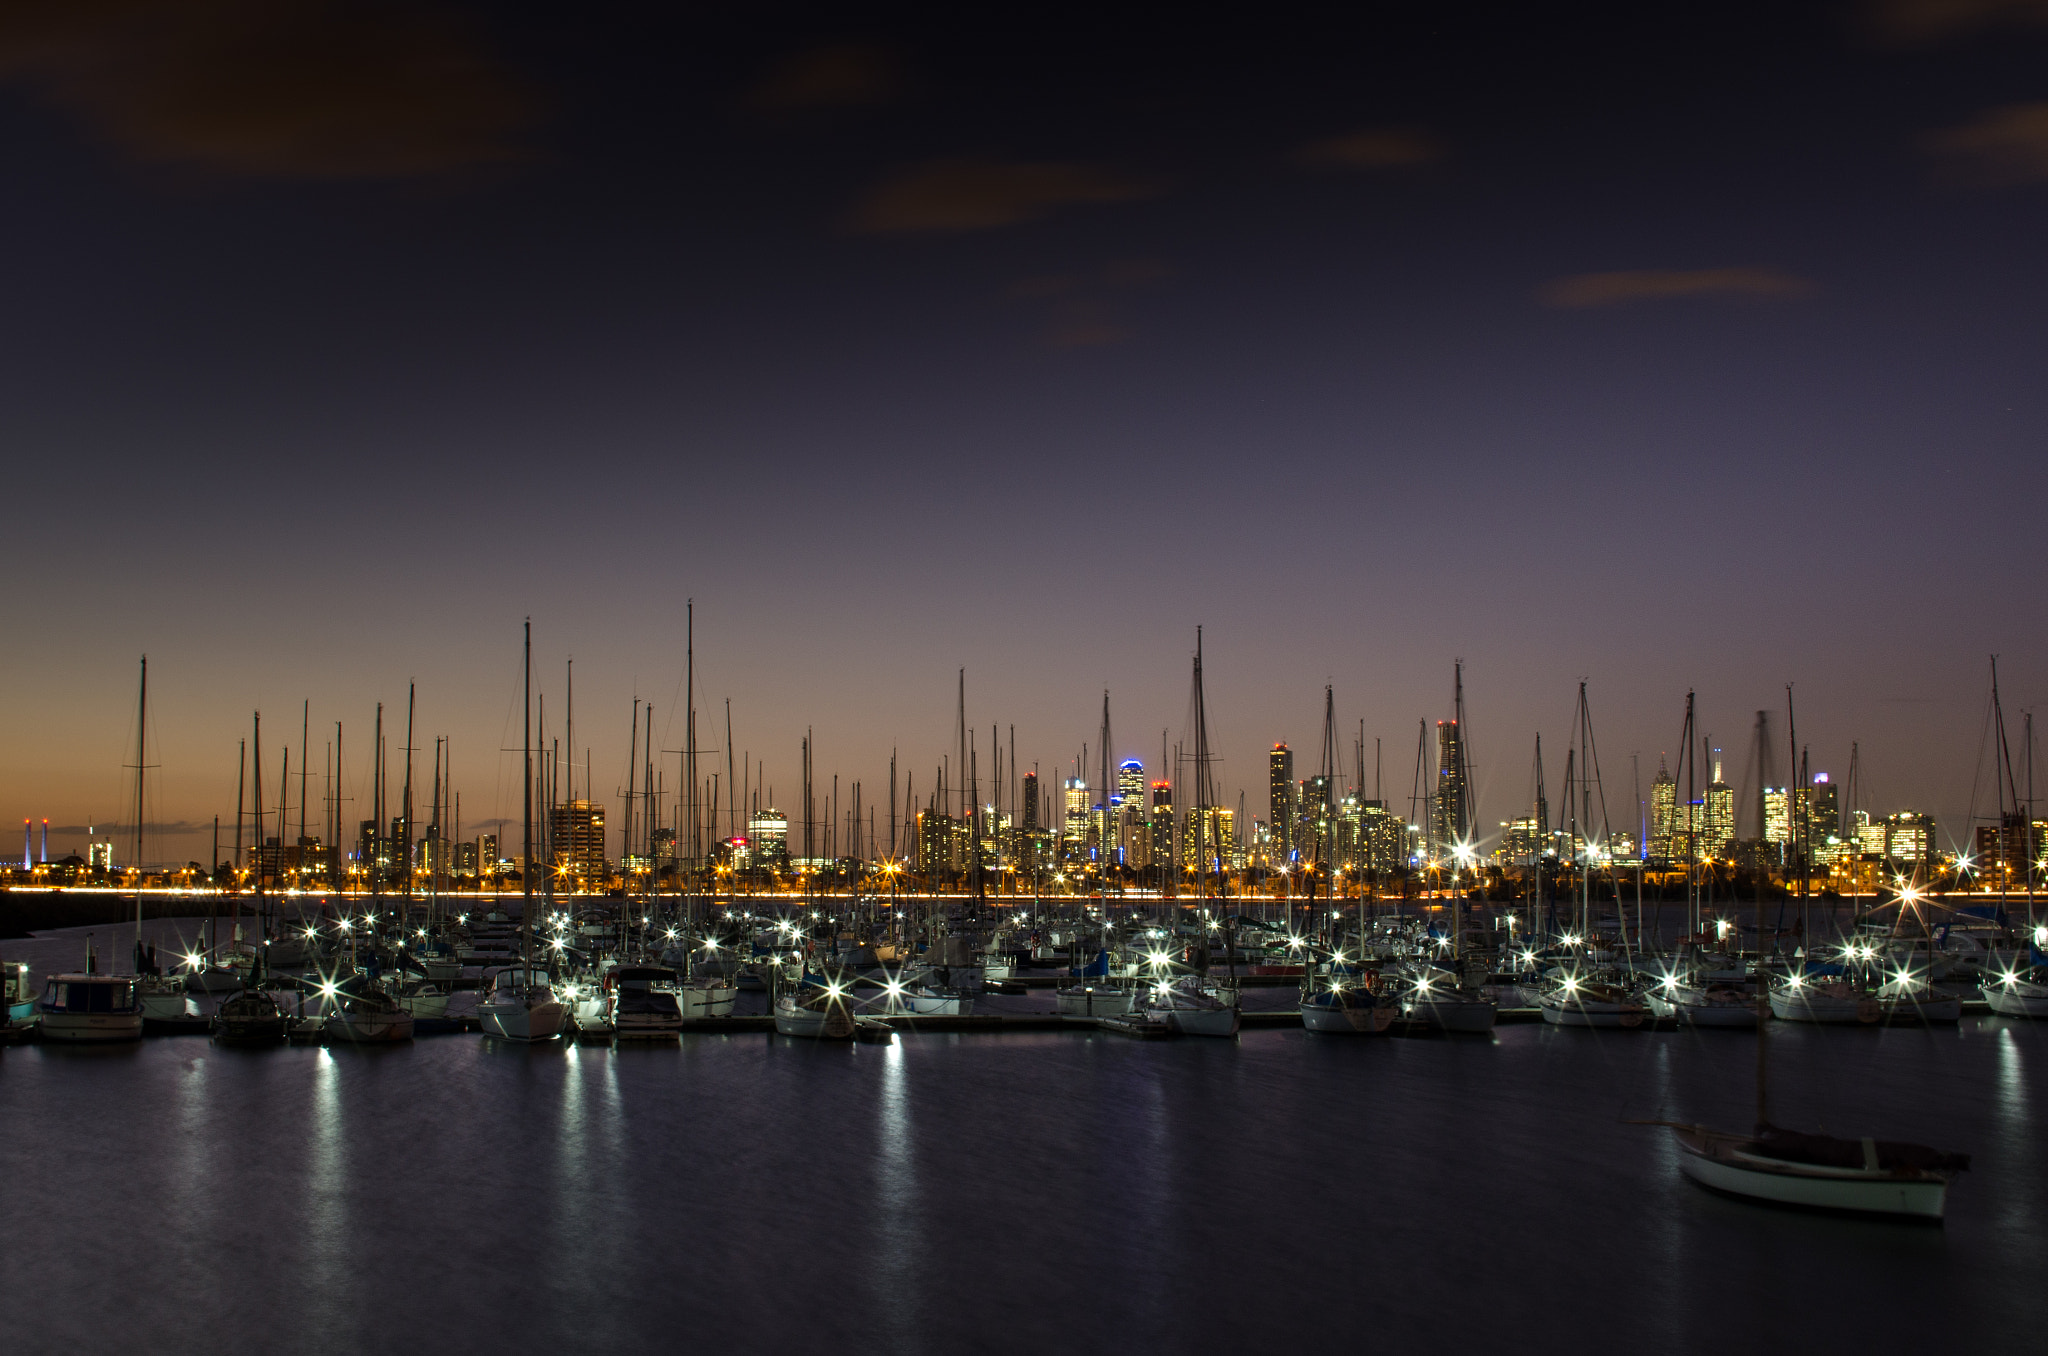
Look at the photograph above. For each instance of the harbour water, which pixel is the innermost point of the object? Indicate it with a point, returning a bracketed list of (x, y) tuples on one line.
[(953, 1192)]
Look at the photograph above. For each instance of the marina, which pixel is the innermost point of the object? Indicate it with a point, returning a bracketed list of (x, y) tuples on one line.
[(661, 1183)]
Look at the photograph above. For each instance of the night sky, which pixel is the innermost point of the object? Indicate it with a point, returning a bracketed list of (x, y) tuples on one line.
[(1664, 347)]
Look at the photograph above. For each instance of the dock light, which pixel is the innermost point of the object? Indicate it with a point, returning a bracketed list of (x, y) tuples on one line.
[(670, 934), (1571, 985), (2041, 935), (1671, 983), (1162, 989), (310, 933), (344, 925), (833, 990), (1795, 981), (328, 988), (570, 991), (894, 988), (420, 933), (1570, 939), (1422, 984), (1722, 927), (1294, 943), (1529, 958)]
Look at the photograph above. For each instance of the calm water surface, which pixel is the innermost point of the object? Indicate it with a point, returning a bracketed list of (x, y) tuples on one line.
[(998, 1193)]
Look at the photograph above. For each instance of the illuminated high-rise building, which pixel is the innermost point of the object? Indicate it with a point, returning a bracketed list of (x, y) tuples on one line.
[(1130, 786), (577, 831), (1031, 802), (1909, 838), (1162, 824), (768, 838), (1717, 816), (1280, 799), (1777, 815), (1663, 813)]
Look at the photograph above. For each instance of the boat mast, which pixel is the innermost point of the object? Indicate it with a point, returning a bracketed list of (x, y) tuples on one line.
[(526, 806), (141, 764)]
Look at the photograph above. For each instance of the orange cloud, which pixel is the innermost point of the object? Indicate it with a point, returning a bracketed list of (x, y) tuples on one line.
[(289, 88), (974, 195), (1583, 290), (1372, 148), (1912, 22), (2005, 146)]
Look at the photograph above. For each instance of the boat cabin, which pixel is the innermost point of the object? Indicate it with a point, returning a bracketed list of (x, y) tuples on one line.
[(91, 993)]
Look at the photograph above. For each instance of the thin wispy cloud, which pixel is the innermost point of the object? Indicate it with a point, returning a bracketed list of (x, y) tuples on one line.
[(2005, 146), (1915, 22), (273, 88), (1582, 291), (975, 195), (1371, 148)]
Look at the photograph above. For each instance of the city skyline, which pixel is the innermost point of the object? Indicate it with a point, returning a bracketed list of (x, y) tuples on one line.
[(1502, 779)]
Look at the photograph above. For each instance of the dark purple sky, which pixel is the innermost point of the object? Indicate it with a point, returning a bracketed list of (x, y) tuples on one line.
[(1666, 347)]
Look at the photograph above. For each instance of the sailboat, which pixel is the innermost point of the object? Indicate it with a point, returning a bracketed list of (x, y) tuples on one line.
[(1337, 1008), (522, 1004), (1822, 1172), (1191, 1004), (1456, 1001), (251, 1017)]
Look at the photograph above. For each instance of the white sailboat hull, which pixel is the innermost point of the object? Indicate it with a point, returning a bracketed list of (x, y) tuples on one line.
[(516, 1021), (1732, 1015), (91, 1027), (369, 1028), (1221, 1021), (1862, 1191), (1805, 1005), (832, 1022), (1562, 1010), (2021, 998)]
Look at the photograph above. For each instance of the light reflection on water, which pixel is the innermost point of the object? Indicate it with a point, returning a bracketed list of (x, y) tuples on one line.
[(950, 1191)]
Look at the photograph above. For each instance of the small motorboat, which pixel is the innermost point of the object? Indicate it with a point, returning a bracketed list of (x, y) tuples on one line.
[(707, 996), (1192, 1008), (90, 1008), (1820, 1172), (423, 998), (522, 1006), (645, 1003)]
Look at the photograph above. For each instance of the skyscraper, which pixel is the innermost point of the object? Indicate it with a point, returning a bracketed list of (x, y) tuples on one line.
[(1162, 823), (1663, 812), (577, 831), (1280, 800), (1717, 815), (1030, 802), (1130, 786)]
